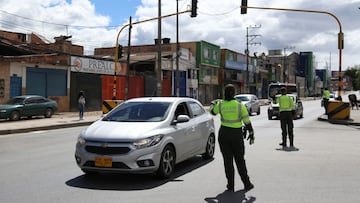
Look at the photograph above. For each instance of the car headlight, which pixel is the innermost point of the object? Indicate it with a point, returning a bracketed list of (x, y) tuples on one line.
[(147, 142), (2, 111), (81, 140)]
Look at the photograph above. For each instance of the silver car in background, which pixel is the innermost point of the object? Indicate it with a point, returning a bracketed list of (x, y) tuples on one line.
[(251, 102), (147, 135)]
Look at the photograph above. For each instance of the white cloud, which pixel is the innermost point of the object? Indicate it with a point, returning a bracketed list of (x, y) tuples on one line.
[(218, 22)]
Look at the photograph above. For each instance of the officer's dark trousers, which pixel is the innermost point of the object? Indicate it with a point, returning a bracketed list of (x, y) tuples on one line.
[(287, 125), (232, 148), (326, 103)]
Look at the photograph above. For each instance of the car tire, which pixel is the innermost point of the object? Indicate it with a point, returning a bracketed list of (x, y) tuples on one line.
[(14, 116), (48, 113), (167, 163), (210, 148)]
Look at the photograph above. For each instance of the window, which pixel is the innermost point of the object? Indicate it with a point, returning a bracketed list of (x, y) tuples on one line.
[(206, 53), (231, 57), (181, 109), (196, 109), (215, 55)]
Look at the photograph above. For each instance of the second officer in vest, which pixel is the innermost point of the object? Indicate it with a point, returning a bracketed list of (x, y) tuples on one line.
[(287, 113), (233, 116)]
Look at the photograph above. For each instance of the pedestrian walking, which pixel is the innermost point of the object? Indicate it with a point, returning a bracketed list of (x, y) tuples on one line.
[(287, 113), (234, 123), (326, 97), (81, 104)]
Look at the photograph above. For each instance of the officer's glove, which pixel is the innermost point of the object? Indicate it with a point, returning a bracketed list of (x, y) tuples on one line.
[(251, 137)]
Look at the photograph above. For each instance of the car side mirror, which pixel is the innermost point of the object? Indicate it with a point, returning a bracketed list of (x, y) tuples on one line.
[(181, 119)]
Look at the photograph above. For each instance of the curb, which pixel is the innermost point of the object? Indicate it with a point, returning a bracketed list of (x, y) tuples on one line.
[(49, 127)]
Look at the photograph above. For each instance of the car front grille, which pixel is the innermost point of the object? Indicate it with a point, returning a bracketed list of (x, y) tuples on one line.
[(107, 150), (119, 165)]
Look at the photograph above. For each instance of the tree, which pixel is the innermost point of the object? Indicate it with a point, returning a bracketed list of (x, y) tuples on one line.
[(354, 74)]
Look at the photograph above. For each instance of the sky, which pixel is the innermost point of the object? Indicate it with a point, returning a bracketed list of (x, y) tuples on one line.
[(96, 23)]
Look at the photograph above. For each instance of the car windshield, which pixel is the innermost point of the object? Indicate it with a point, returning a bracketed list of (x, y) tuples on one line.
[(139, 112), (16, 100), (242, 98)]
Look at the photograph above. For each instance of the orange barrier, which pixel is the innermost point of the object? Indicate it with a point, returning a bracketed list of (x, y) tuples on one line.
[(338, 110), (108, 105)]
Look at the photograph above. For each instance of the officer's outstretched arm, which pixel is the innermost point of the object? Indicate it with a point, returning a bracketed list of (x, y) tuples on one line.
[(214, 107), (251, 135)]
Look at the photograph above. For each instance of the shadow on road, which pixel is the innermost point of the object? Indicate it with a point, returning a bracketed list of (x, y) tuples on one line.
[(117, 181), (288, 149), (231, 197)]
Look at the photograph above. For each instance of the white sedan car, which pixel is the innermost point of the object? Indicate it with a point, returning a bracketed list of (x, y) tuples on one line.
[(147, 135), (251, 102)]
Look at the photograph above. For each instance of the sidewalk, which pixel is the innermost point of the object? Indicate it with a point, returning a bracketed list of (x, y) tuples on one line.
[(58, 120), (71, 119)]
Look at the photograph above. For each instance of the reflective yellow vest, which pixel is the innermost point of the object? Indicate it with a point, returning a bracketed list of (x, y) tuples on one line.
[(285, 103), (233, 113), (326, 94)]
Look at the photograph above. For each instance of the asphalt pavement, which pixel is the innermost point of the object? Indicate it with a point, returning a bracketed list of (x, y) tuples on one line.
[(71, 119)]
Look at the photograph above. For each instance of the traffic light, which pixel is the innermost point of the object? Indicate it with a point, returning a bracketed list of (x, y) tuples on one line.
[(341, 40), (193, 8), (243, 10), (120, 51)]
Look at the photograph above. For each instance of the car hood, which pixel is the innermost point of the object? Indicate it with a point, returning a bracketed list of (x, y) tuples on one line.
[(124, 131)]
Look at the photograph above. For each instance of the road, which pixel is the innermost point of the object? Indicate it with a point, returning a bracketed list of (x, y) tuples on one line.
[(40, 167)]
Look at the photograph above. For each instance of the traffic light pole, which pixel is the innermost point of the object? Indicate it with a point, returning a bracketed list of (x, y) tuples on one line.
[(116, 58), (340, 34)]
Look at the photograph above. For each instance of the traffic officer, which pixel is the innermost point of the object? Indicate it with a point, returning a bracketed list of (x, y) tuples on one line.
[(287, 113), (326, 97), (233, 116)]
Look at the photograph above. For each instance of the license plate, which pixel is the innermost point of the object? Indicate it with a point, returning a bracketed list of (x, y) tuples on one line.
[(103, 161)]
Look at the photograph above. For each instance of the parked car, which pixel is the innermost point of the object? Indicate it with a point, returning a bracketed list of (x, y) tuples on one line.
[(27, 106), (251, 102), (147, 135), (273, 109)]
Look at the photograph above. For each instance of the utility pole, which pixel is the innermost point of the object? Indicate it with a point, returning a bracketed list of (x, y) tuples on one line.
[(177, 87), (128, 62), (158, 73), (249, 41)]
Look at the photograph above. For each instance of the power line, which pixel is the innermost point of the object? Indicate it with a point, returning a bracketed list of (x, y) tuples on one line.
[(58, 24)]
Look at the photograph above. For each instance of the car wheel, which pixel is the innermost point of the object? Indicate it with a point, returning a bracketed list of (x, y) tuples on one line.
[(210, 147), (48, 113), (167, 163), (258, 112), (14, 116)]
